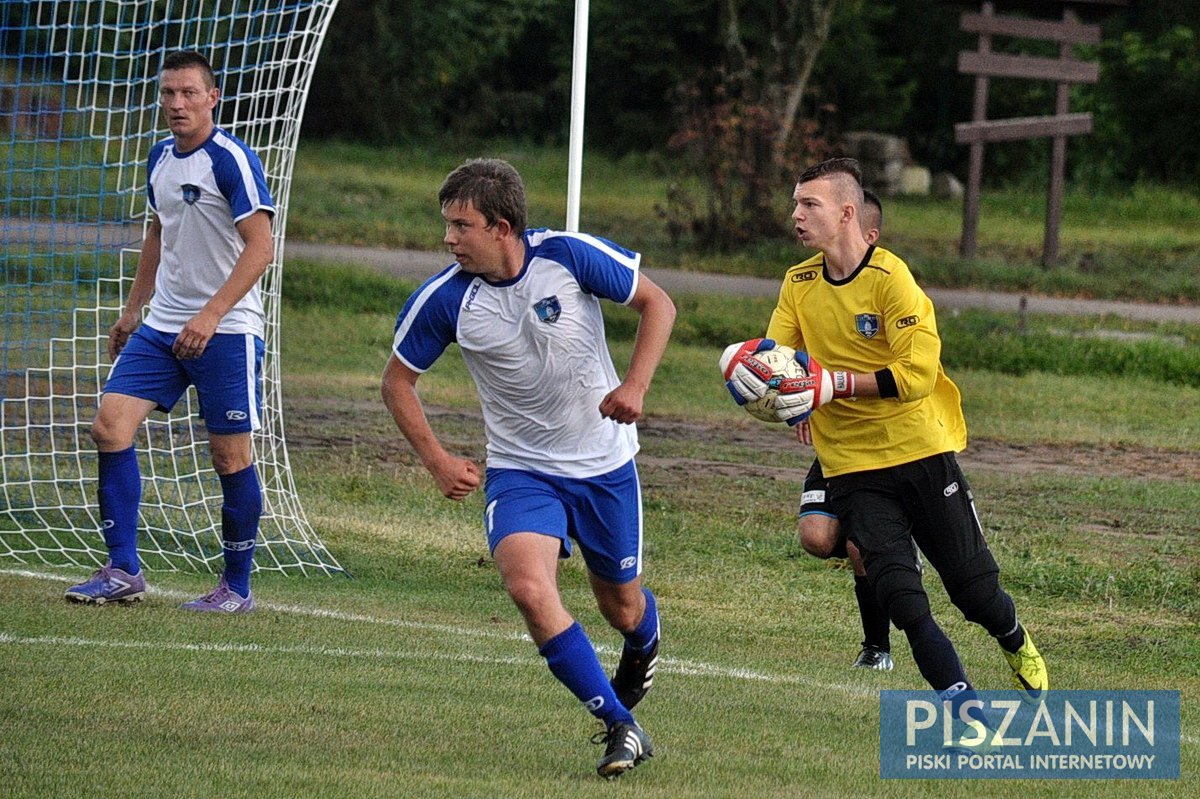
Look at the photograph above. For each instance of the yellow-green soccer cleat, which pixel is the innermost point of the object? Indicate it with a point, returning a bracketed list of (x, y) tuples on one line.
[(1029, 670)]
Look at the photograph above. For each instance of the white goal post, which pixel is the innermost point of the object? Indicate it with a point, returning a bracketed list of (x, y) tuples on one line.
[(78, 115)]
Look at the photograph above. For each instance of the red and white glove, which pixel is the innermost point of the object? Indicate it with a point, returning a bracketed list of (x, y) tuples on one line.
[(800, 396), (746, 376)]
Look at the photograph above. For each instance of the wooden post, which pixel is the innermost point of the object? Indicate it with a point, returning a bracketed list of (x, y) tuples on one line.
[(1058, 159), (1065, 70), (966, 246)]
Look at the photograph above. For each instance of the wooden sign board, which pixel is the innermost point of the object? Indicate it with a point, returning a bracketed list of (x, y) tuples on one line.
[(1064, 71)]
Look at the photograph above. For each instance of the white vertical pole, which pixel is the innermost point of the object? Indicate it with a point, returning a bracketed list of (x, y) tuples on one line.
[(578, 87)]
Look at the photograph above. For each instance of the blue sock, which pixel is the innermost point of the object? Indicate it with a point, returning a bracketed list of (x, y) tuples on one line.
[(642, 637), (572, 659), (239, 525), (120, 494), (934, 654)]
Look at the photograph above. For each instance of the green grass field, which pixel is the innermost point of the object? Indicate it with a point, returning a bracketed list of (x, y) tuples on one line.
[(1141, 244), (414, 677)]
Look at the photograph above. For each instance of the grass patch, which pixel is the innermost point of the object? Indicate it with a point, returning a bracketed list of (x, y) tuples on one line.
[(1138, 245), (414, 678)]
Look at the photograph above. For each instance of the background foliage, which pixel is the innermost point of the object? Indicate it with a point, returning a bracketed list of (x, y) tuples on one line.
[(396, 71)]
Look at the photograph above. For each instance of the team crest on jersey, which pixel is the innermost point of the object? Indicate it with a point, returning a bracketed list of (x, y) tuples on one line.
[(191, 193), (867, 324), (548, 309)]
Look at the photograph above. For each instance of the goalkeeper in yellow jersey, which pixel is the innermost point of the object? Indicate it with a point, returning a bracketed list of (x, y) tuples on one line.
[(823, 537), (886, 423)]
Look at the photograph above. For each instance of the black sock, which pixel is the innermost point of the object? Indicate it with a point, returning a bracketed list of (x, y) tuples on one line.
[(875, 621), (1013, 640), (934, 654)]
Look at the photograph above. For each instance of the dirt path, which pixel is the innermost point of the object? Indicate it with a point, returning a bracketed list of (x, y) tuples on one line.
[(364, 426), (414, 265)]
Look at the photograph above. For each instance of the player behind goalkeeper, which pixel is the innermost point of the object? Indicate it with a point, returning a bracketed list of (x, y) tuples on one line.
[(208, 243), (885, 427), (820, 533), (523, 305)]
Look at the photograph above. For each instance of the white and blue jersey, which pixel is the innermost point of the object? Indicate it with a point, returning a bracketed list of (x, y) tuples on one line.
[(199, 197), (536, 349)]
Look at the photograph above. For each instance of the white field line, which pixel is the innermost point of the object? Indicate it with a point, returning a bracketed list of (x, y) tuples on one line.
[(689, 668)]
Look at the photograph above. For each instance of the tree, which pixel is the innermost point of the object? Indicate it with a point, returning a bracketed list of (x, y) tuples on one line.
[(743, 131), (396, 69)]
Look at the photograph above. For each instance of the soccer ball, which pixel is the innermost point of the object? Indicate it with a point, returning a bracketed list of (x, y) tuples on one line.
[(781, 360)]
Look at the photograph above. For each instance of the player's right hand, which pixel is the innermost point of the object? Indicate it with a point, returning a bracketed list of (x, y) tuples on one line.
[(746, 376), (456, 477), (119, 333), (800, 396)]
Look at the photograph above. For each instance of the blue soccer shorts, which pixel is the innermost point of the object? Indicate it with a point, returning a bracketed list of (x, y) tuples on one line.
[(227, 377), (603, 514)]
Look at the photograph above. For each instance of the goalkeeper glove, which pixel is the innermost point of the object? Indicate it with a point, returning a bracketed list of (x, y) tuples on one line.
[(746, 376), (800, 396)]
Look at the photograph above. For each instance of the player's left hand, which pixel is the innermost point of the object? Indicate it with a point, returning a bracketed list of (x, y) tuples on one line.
[(194, 337), (623, 404), (800, 396), (746, 376)]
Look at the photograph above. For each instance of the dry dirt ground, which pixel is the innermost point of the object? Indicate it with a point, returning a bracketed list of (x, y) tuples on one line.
[(325, 424)]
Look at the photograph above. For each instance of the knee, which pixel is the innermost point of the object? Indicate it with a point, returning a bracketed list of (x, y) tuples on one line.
[(819, 535), (531, 596), (975, 588), (230, 453), (898, 587), (109, 436), (623, 617), (622, 608), (228, 462)]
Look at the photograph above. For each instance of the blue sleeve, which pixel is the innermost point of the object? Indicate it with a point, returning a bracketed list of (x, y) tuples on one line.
[(242, 182), (602, 268), (155, 154), (428, 323)]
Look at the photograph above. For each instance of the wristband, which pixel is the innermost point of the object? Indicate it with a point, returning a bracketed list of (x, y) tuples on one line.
[(843, 384)]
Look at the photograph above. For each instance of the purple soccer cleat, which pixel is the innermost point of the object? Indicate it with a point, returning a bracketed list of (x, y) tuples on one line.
[(221, 599), (109, 584)]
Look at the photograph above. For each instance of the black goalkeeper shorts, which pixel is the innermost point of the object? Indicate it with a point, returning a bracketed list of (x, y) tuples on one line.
[(928, 500)]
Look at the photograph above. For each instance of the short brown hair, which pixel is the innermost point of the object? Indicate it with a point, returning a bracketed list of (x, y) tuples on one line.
[(492, 186), (831, 167), (184, 59), (844, 173)]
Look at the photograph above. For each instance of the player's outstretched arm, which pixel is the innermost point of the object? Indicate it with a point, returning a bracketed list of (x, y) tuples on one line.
[(624, 403), (455, 477)]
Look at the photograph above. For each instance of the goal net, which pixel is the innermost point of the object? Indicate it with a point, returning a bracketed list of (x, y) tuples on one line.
[(79, 113)]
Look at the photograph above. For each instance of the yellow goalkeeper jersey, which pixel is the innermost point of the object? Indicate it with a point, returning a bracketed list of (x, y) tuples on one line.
[(875, 319)]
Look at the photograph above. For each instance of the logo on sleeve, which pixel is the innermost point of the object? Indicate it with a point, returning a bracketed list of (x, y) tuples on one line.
[(548, 309), (867, 324), (191, 193), (804, 277), (907, 321), (471, 295)]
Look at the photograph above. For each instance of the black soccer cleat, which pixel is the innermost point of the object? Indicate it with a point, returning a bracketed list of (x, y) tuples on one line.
[(635, 675), (627, 745), (874, 658)]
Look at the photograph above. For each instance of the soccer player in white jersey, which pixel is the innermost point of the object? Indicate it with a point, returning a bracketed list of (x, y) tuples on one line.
[(524, 308), (208, 244)]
